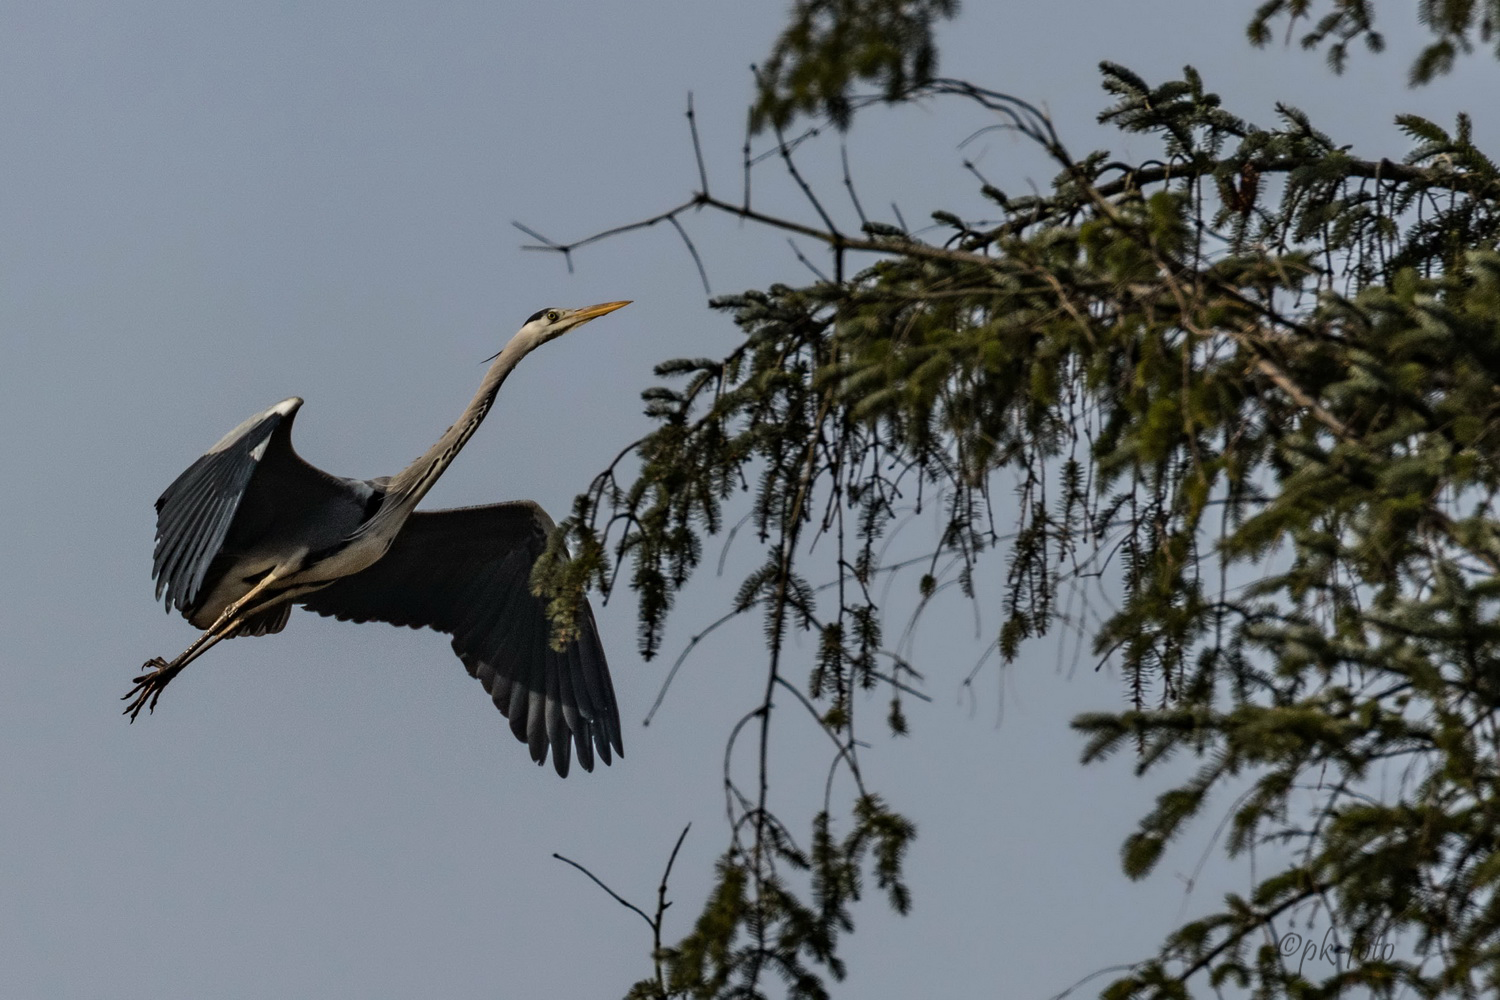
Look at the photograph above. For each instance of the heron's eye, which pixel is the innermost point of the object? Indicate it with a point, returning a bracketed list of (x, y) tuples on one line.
[(553, 315)]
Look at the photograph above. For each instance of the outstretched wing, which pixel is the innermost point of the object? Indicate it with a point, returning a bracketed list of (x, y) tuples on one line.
[(467, 572), (194, 514), (250, 490)]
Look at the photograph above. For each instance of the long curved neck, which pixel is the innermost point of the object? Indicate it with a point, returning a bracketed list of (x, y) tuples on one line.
[(411, 484)]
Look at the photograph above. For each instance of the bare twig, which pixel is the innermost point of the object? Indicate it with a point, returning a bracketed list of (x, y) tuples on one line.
[(745, 153), (662, 905), (837, 241), (896, 211), (682, 658), (547, 244), (697, 260), (849, 186), (613, 895), (697, 146), (806, 263), (830, 230)]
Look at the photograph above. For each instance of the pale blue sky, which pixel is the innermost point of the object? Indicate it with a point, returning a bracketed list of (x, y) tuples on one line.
[(208, 207)]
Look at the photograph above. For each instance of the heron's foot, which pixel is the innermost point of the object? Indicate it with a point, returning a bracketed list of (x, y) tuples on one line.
[(148, 686)]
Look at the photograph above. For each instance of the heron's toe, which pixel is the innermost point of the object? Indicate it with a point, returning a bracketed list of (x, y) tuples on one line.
[(152, 667)]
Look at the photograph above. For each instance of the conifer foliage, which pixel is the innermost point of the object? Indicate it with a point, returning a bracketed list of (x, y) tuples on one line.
[(1252, 377)]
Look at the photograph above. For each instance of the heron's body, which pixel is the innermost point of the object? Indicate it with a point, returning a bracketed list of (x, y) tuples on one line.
[(251, 529)]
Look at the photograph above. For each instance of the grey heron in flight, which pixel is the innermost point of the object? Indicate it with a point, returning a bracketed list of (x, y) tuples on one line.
[(251, 529)]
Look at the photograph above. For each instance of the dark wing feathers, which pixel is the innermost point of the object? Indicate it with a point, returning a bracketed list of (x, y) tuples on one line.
[(596, 683), (467, 572), (194, 514), (585, 750), (244, 490)]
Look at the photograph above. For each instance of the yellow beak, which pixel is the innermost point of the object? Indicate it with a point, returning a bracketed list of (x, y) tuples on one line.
[(593, 312)]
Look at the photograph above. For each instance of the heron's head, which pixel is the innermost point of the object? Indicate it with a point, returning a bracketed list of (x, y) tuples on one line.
[(551, 323)]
